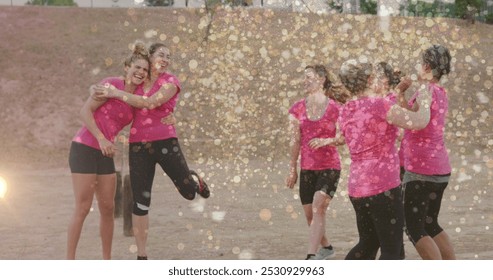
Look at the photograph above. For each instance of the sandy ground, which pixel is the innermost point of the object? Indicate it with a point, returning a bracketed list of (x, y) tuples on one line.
[(247, 217)]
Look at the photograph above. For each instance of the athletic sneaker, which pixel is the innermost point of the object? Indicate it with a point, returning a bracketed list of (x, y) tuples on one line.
[(311, 257), (203, 189), (325, 254)]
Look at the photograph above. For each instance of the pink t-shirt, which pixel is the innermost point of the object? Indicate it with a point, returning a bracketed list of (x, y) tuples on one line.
[(325, 157), (111, 117), (392, 96), (424, 150), (147, 125), (371, 141)]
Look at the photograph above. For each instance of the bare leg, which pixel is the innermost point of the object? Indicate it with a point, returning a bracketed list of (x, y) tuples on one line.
[(428, 249), (140, 226), (308, 208), (443, 242), (317, 228), (105, 194), (83, 185)]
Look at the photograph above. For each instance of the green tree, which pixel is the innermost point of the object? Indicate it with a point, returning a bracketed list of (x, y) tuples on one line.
[(468, 9), (426, 9), (368, 7), (336, 5), (155, 3), (52, 2)]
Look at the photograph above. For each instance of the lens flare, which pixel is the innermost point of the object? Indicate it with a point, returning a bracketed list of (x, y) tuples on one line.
[(3, 187)]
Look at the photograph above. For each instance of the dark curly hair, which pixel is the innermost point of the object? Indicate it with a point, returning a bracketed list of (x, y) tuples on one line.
[(394, 77), (321, 72), (438, 58), (354, 75)]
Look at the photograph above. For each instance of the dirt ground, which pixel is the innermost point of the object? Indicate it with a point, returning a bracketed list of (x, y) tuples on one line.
[(232, 119), (247, 217)]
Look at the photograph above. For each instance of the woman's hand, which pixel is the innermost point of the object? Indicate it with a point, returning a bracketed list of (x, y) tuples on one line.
[(404, 84), (169, 119), (292, 178), (316, 143), (98, 92), (107, 148), (101, 92)]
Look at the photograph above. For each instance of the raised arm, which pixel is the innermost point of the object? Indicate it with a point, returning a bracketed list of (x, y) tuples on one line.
[(412, 120), (401, 96), (294, 148), (87, 116), (165, 93)]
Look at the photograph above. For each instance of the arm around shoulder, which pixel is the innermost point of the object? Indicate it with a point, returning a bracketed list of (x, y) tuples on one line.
[(407, 119)]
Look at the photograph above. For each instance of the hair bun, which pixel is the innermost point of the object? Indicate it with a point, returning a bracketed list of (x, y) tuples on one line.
[(140, 49)]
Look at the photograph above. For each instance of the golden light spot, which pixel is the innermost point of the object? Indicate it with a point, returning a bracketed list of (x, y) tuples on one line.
[(236, 250), (176, 39), (3, 187), (429, 23), (180, 246), (162, 37), (108, 61), (265, 214), (237, 179), (181, 19), (193, 64)]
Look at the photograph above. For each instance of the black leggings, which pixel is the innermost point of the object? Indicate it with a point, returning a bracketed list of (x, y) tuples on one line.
[(380, 220), (143, 158), (422, 202)]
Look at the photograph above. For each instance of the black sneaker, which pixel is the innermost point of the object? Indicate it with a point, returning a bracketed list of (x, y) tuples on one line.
[(203, 189), (142, 258)]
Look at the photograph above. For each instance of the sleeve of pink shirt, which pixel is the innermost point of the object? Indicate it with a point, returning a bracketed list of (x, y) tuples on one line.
[(296, 110), (387, 104), (170, 79)]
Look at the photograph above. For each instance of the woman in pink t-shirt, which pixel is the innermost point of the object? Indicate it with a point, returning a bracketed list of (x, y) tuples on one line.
[(390, 83), (313, 126), (92, 149), (154, 142), (427, 163), (369, 124)]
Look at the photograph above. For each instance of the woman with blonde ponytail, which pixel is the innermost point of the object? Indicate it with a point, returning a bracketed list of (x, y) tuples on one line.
[(153, 142), (92, 149)]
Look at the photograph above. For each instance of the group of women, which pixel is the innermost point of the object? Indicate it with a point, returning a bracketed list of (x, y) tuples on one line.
[(369, 121), (145, 97), (365, 111)]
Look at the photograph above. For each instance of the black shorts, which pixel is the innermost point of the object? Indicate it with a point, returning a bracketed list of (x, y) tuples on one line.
[(88, 160), (312, 181)]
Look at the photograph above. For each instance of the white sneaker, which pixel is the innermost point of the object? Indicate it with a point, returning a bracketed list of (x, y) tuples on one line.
[(325, 254)]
